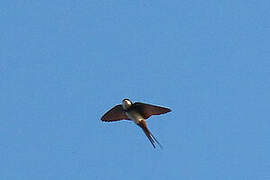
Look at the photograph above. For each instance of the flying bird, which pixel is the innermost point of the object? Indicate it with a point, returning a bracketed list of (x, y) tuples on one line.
[(137, 112)]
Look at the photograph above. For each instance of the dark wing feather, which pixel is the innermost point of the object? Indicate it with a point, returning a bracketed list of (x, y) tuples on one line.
[(148, 110), (115, 114)]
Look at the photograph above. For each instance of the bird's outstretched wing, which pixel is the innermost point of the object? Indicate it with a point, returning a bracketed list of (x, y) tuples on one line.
[(115, 114), (148, 110)]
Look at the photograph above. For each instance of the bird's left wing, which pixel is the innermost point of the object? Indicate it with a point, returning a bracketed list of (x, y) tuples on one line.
[(115, 114), (148, 110)]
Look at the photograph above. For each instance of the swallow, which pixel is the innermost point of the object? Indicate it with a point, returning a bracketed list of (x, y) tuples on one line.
[(137, 112)]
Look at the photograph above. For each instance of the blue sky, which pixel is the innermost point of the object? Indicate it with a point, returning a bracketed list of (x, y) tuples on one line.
[(64, 63)]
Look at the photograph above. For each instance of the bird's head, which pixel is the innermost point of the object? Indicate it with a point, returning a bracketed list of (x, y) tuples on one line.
[(126, 103)]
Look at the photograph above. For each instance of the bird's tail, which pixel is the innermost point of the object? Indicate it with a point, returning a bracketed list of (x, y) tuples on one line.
[(149, 135)]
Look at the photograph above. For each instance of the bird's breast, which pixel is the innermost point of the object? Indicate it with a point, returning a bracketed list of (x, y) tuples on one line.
[(134, 116)]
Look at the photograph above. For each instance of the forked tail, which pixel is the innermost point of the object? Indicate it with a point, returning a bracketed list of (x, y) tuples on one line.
[(149, 135)]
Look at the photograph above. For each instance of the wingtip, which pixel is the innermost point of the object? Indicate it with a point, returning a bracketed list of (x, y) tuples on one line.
[(102, 118), (168, 110)]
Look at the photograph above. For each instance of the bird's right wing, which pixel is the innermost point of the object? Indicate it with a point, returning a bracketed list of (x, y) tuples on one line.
[(115, 114)]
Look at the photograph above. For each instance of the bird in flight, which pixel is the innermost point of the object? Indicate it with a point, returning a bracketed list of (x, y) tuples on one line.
[(137, 112)]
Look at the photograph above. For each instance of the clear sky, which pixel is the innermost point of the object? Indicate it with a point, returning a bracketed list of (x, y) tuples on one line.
[(64, 63)]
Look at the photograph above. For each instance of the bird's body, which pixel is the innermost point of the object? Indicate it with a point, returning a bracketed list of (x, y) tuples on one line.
[(134, 116), (138, 113)]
